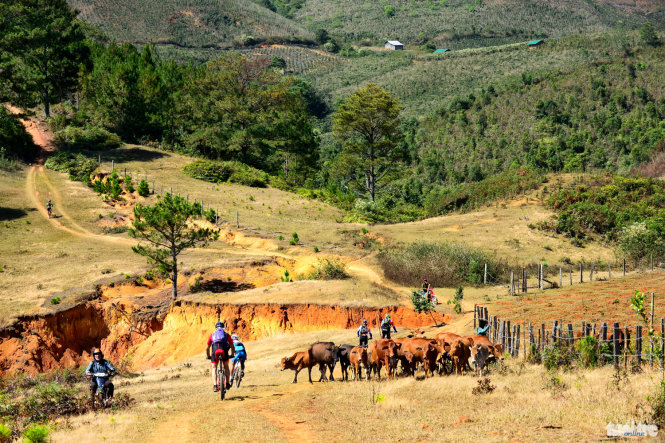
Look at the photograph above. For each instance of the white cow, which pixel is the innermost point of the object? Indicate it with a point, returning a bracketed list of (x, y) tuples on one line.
[(479, 355)]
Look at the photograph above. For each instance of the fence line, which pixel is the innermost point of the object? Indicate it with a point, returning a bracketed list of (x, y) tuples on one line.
[(616, 342)]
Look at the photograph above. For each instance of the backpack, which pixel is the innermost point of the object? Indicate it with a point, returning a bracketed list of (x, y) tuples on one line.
[(385, 324), (363, 330), (219, 337)]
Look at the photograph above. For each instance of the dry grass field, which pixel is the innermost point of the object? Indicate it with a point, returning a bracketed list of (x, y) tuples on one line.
[(177, 404)]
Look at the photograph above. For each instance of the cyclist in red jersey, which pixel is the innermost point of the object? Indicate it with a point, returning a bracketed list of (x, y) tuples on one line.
[(222, 349)]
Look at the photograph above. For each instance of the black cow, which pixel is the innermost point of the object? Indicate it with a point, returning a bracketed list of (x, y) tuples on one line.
[(323, 354), (342, 353)]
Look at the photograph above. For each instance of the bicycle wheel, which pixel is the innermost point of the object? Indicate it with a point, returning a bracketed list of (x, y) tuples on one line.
[(237, 377), (221, 376)]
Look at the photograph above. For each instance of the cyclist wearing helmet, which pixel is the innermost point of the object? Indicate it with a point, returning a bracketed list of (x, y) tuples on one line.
[(364, 334), (49, 207), (386, 324), (222, 349), (99, 365), (240, 353)]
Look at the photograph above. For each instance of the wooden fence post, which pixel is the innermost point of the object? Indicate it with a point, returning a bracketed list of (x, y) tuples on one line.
[(475, 315), (524, 282), (512, 283), (581, 276), (540, 276), (571, 336), (112, 165), (554, 331), (531, 337), (494, 328), (603, 335), (615, 343), (502, 333), (524, 341), (624, 267), (486, 315), (237, 221), (652, 261), (609, 270), (517, 341), (571, 276), (485, 275), (541, 332), (638, 350), (508, 336)]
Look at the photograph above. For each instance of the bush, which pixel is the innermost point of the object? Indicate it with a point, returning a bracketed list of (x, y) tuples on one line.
[(420, 302), (5, 433), (55, 301), (328, 269), (227, 171), (144, 189), (444, 264), (76, 165), (556, 356), (485, 386), (588, 352), (90, 138), (36, 433), (15, 142)]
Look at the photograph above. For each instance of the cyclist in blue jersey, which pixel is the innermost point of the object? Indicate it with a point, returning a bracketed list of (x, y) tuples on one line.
[(240, 353)]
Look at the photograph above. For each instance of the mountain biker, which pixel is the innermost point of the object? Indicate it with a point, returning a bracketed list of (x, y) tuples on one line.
[(49, 207), (222, 349), (240, 353), (386, 324), (363, 334), (99, 365)]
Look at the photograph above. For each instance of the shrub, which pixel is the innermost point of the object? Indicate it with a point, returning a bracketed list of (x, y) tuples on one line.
[(556, 356), (328, 269), (485, 386), (444, 264), (77, 166), (36, 433), (588, 352), (143, 189), (5, 433), (90, 138), (55, 301), (420, 303), (227, 171)]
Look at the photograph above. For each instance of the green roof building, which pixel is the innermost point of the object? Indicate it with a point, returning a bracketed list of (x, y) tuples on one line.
[(441, 51), (534, 43)]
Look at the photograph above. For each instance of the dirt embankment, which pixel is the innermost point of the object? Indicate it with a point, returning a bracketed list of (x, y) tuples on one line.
[(149, 338)]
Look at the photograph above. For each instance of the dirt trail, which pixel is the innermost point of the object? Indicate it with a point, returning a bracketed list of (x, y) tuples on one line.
[(41, 136)]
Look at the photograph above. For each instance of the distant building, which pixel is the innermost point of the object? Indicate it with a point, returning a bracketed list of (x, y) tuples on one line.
[(441, 51), (535, 43), (394, 45)]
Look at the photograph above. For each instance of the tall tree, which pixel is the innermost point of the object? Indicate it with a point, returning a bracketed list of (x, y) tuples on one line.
[(368, 125), (42, 48), (649, 35), (168, 230)]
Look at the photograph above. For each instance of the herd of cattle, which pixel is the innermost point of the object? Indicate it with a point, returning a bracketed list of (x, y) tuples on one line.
[(446, 353)]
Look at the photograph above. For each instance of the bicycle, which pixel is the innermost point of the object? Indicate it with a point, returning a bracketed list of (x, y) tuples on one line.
[(50, 212), (236, 375), (221, 378), (101, 398)]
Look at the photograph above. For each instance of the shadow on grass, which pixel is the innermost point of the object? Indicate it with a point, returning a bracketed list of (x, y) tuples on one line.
[(7, 214), (128, 155), (217, 286)]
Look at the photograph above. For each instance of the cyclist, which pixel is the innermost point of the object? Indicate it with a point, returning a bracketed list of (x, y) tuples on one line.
[(222, 349), (99, 365), (364, 334), (386, 324), (49, 208), (240, 353)]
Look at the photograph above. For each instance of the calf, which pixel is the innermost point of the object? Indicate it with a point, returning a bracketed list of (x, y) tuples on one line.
[(297, 362), (342, 353), (479, 355), (359, 359)]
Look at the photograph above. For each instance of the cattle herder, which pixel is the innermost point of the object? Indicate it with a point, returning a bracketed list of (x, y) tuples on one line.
[(386, 324), (364, 334)]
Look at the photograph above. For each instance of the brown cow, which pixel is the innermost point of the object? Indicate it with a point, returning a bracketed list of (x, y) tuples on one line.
[(496, 350), (383, 352), (444, 338), (460, 353), (419, 347), (297, 362), (479, 355), (359, 359)]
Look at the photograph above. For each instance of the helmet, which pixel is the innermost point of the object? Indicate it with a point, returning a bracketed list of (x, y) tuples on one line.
[(235, 337), (387, 315), (219, 325), (365, 322), (97, 352)]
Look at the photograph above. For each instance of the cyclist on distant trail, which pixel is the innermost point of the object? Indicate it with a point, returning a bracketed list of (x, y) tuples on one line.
[(386, 324), (364, 334), (49, 208), (99, 365), (240, 353), (222, 349)]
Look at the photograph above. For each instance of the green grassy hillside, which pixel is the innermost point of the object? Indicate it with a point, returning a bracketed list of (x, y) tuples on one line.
[(465, 23), (197, 23)]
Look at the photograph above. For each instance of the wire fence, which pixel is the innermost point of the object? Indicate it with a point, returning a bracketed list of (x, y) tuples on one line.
[(639, 343)]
